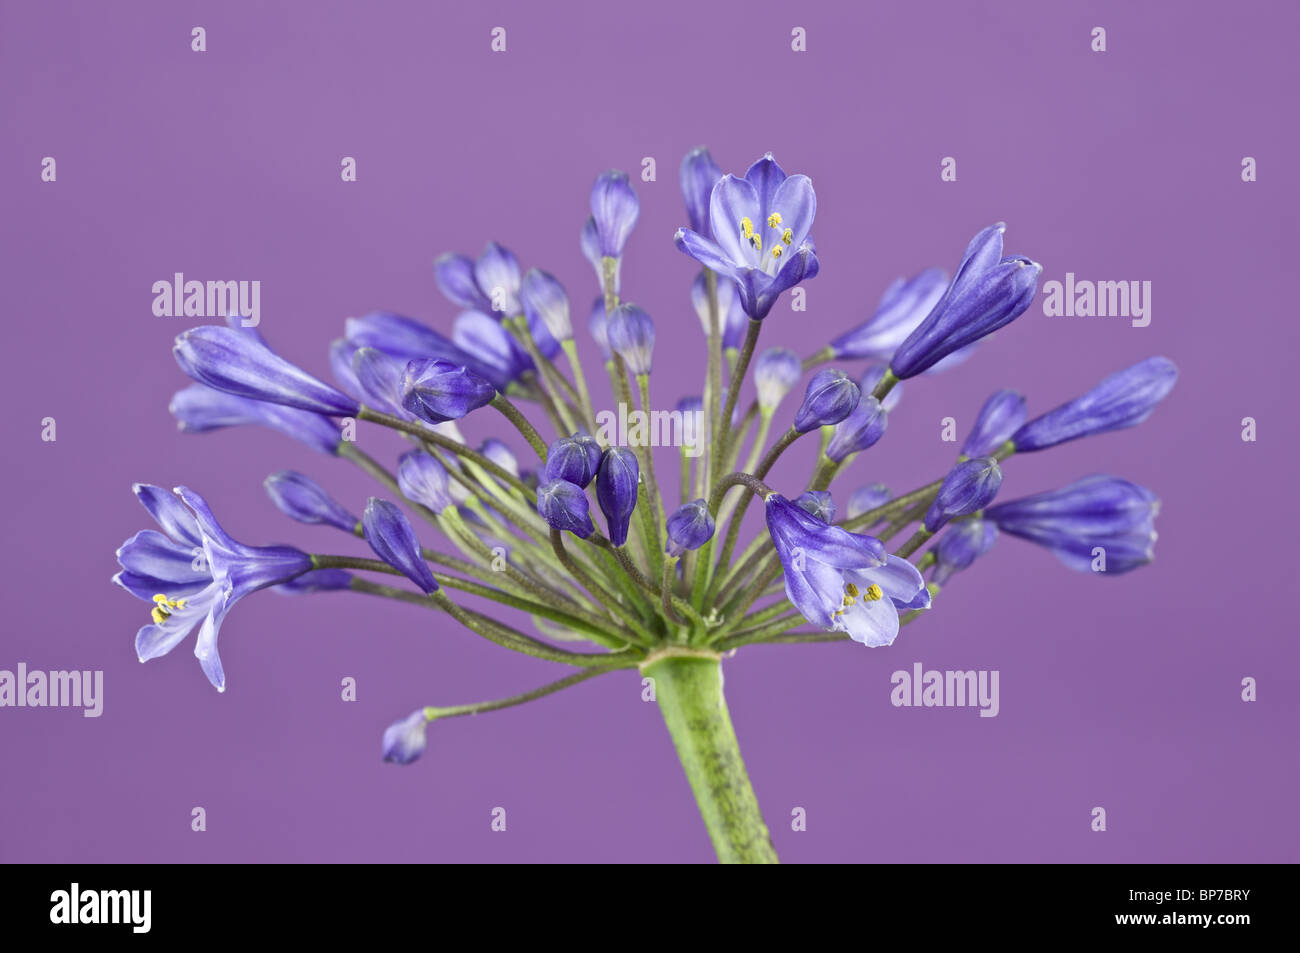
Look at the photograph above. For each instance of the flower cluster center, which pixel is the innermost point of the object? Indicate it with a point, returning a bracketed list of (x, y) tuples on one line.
[(163, 607), (755, 240)]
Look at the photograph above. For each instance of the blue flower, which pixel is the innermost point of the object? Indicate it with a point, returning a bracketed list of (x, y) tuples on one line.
[(698, 175), (239, 363), (405, 739), (301, 498), (424, 480), (490, 285), (962, 545), (987, 292), (1095, 513), (689, 527), (759, 227), (1124, 399), (817, 503), (378, 378), (199, 409), (731, 317), (839, 580), (194, 573), (406, 340), (968, 487), (632, 337), (904, 305), (598, 324), (868, 498), (830, 397), (568, 459), (546, 304), (436, 391), (616, 490), (490, 343), (776, 371), (860, 430), (390, 535), (564, 507), (614, 210), (1000, 417)]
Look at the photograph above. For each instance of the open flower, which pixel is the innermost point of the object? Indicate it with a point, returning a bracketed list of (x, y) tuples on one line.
[(760, 234), (839, 580), (194, 573)]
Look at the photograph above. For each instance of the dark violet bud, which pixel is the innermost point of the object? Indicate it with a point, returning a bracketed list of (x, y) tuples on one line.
[(405, 740), (987, 293), (860, 430), (598, 324), (1000, 417), (568, 460), (904, 305), (390, 535), (500, 454), (817, 503), (964, 543), (316, 580), (831, 396), (544, 301), (699, 174), (302, 498), (436, 391), (616, 490), (632, 336), (615, 208), (424, 480), (1124, 399), (564, 506), (968, 487), (867, 498), (776, 371), (1098, 524), (690, 527), (592, 446), (238, 363), (871, 377), (198, 409)]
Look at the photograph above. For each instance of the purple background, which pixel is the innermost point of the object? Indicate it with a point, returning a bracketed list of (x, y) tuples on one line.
[(1120, 692)]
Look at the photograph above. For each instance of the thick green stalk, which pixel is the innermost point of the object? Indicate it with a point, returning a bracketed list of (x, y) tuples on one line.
[(689, 692)]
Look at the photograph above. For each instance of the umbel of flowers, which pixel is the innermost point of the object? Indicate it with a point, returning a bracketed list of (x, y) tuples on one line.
[(611, 573)]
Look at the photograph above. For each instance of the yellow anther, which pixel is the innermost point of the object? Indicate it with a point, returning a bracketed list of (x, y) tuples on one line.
[(774, 220), (787, 236), (747, 227), (159, 615), (873, 593), (160, 598), (161, 611), (851, 589), (756, 241), (776, 252)]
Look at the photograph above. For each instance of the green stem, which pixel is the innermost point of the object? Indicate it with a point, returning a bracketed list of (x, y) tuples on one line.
[(689, 692), (513, 414)]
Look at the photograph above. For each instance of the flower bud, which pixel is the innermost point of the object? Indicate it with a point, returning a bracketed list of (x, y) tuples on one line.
[(423, 479), (567, 459), (616, 490), (1001, 415), (817, 503), (968, 487), (301, 498), (564, 507), (776, 371), (614, 208), (962, 545), (544, 301), (868, 498), (632, 336), (436, 391), (698, 175), (831, 396), (390, 535), (405, 740), (904, 305), (858, 431), (690, 527)]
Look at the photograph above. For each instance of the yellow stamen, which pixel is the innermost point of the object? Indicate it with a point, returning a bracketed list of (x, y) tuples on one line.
[(159, 615), (756, 241), (161, 611), (851, 589), (787, 236), (774, 220), (776, 252), (873, 593), (747, 227)]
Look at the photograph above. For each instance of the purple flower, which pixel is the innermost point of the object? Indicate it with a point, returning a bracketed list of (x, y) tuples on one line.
[(546, 304), (1001, 415), (759, 227), (1098, 522), (831, 396), (817, 503), (616, 490), (614, 209), (1124, 399), (303, 499), (632, 337), (436, 391), (776, 371), (564, 507), (904, 305), (568, 459), (239, 363), (860, 430), (598, 324), (698, 175), (490, 343), (379, 379), (689, 527), (839, 580), (424, 480), (490, 285), (962, 545), (390, 535), (987, 292), (968, 487), (194, 573), (405, 740), (199, 409), (405, 339)]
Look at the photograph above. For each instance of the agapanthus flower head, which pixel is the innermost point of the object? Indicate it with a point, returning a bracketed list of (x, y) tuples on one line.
[(731, 317), (1098, 523), (1000, 417), (689, 527), (393, 540), (598, 324), (867, 498), (199, 409), (698, 175), (860, 430), (904, 305), (776, 371), (423, 479), (564, 506), (759, 234), (614, 209), (872, 376), (405, 739), (193, 573), (988, 292), (568, 459), (831, 396), (436, 391), (616, 490), (969, 486), (490, 284), (1124, 399), (817, 503), (839, 580), (958, 548), (238, 363), (546, 304), (632, 337), (301, 498)]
